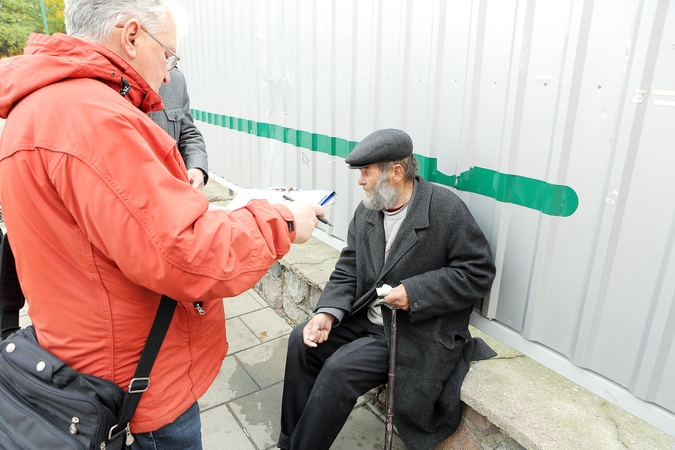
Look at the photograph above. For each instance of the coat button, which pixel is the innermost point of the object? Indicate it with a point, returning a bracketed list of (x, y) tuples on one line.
[(416, 305)]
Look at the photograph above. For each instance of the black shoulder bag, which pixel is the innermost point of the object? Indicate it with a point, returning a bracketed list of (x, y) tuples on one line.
[(46, 404)]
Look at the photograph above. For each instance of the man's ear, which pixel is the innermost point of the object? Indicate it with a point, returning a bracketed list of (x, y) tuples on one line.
[(398, 173), (130, 32)]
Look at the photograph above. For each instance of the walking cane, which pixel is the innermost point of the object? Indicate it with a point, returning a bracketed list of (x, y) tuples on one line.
[(391, 385)]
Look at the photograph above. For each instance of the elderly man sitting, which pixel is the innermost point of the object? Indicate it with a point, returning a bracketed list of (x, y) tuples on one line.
[(422, 240)]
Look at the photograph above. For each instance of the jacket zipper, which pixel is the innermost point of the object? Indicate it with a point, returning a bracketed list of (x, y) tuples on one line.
[(198, 307)]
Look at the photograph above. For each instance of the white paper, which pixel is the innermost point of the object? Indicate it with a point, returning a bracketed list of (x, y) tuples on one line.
[(276, 195)]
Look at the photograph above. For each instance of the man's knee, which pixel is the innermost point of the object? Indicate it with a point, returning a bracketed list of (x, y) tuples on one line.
[(334, 371)]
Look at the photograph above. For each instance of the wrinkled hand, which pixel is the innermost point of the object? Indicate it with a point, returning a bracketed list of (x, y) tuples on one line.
[(398, 297), (305, 219), (196, 178), (317, 329)]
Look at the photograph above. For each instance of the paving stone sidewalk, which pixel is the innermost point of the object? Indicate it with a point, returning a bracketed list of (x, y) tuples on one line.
[(242, 408)]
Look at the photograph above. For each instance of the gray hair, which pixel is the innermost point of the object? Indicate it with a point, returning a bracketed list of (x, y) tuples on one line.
[(95, 20), (409, 164)]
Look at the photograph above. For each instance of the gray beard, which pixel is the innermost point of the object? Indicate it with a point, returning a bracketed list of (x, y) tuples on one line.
[(383, 197)]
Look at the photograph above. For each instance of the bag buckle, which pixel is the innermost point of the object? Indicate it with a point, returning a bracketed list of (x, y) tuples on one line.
[(112, 430), (143, 385), (118, 438)]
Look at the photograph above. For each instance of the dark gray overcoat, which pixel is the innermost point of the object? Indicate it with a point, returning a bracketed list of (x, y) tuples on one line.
[(176, 120), (444, 261)]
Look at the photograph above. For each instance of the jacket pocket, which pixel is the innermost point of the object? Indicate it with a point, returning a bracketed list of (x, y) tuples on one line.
[(174, 117), (453, 341)]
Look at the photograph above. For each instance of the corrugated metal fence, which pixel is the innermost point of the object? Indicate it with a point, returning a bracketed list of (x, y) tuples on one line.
[(554, 121)]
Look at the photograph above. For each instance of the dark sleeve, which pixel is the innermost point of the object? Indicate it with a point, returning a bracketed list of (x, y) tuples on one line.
[(469, 271), (191, 143)]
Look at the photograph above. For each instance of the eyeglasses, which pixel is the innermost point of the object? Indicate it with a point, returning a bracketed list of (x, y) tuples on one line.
[(171, 60)]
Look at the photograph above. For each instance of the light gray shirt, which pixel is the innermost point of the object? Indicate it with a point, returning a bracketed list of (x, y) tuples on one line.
[(392, 222)]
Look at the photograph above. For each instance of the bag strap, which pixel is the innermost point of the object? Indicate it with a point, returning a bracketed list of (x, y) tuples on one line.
[(11, 295), (141, 380)]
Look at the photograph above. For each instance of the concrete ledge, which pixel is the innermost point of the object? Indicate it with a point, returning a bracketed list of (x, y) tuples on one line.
[(511, 402)]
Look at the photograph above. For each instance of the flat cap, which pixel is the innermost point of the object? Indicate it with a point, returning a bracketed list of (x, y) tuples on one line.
[(380, 146)]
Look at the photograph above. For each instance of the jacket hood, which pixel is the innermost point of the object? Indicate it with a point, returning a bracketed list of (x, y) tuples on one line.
[(50, 59)]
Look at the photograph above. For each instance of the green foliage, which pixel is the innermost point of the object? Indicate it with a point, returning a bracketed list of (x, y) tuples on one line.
[(20, 18), (55, 18)]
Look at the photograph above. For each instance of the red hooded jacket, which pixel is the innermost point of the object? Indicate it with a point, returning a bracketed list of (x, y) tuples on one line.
[(102, 220)]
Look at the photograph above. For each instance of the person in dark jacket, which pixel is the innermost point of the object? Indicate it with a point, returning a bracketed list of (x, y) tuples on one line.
[(176, 120), (421, 239)]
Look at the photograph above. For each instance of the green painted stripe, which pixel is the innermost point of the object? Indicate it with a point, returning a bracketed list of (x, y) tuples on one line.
[(551, 199)]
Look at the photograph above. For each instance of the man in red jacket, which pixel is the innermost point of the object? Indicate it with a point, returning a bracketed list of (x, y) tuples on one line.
[(102, 218)]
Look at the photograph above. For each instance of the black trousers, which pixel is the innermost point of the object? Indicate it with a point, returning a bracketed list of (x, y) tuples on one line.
[(322, 384)]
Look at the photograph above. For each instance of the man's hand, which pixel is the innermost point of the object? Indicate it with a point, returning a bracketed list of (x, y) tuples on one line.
[(305, 219), (317, 330), (196, 178), (398, 297)]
